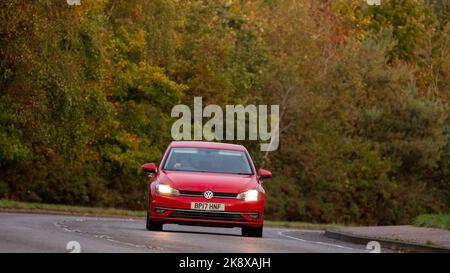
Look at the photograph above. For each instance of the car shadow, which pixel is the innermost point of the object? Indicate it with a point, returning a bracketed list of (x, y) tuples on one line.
[(206, 232)]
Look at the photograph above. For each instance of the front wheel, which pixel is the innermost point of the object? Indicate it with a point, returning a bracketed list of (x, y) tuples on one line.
[(150, 225), (252, 232)]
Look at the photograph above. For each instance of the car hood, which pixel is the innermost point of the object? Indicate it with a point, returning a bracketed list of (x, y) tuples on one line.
[(216, 182)]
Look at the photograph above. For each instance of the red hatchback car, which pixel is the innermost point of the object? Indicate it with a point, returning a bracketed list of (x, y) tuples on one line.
[(207, 184)]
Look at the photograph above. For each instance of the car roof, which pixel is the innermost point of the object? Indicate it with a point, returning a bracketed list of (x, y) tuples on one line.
[(207, 144)]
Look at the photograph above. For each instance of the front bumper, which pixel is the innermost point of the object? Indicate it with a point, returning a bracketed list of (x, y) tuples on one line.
[(177, 210)]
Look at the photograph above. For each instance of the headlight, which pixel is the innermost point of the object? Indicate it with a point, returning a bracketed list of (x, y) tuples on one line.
[(250, 195), (166, 190)]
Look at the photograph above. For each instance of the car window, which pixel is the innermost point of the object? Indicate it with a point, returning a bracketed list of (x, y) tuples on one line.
[(208, 160)]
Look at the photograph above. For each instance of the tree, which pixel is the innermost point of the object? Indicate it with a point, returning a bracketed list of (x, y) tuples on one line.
[(409, 19)]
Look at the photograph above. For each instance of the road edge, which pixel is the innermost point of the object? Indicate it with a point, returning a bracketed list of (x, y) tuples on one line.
[(67, 213), (385, 243)]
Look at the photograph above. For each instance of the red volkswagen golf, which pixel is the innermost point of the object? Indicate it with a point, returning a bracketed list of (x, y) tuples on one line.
[(208, 184)]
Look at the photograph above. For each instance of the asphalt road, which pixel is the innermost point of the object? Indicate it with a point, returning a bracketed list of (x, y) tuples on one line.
[(20, 232)]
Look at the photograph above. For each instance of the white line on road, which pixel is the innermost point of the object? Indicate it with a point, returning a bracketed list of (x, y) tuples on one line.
[(281, 233)]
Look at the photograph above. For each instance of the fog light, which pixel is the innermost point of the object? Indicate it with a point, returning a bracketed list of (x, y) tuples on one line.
[(254, 215), (157, 210)]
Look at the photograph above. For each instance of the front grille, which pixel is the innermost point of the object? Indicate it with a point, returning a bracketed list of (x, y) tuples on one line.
[(216, 194), (207, 215)]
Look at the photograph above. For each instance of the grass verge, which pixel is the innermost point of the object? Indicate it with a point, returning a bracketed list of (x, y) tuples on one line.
[(9, 205), (441, 220), (299, 225)]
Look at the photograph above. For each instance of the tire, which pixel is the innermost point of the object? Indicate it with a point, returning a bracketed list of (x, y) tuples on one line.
[(252, 232), (150, 225)]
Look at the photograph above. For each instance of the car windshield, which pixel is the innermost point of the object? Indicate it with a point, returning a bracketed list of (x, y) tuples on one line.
[(208, 160)]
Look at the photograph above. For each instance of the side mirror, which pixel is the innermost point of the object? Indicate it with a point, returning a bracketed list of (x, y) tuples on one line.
[(149, 167), (264, 174)]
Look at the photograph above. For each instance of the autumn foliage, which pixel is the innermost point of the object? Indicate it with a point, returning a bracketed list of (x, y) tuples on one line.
[(86, 93)]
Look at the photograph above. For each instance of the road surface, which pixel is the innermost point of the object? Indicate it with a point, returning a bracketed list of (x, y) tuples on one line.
[(20, 232)]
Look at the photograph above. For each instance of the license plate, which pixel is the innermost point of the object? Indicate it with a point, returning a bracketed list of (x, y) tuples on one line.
[(207, 206)]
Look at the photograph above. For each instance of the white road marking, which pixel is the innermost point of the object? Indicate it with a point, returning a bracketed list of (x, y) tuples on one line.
[(281, 233), (104, 237), (108, 238)]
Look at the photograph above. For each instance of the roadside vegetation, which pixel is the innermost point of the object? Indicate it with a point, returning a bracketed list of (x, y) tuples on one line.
[(16, 206), (433, 220), (86, 94)]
